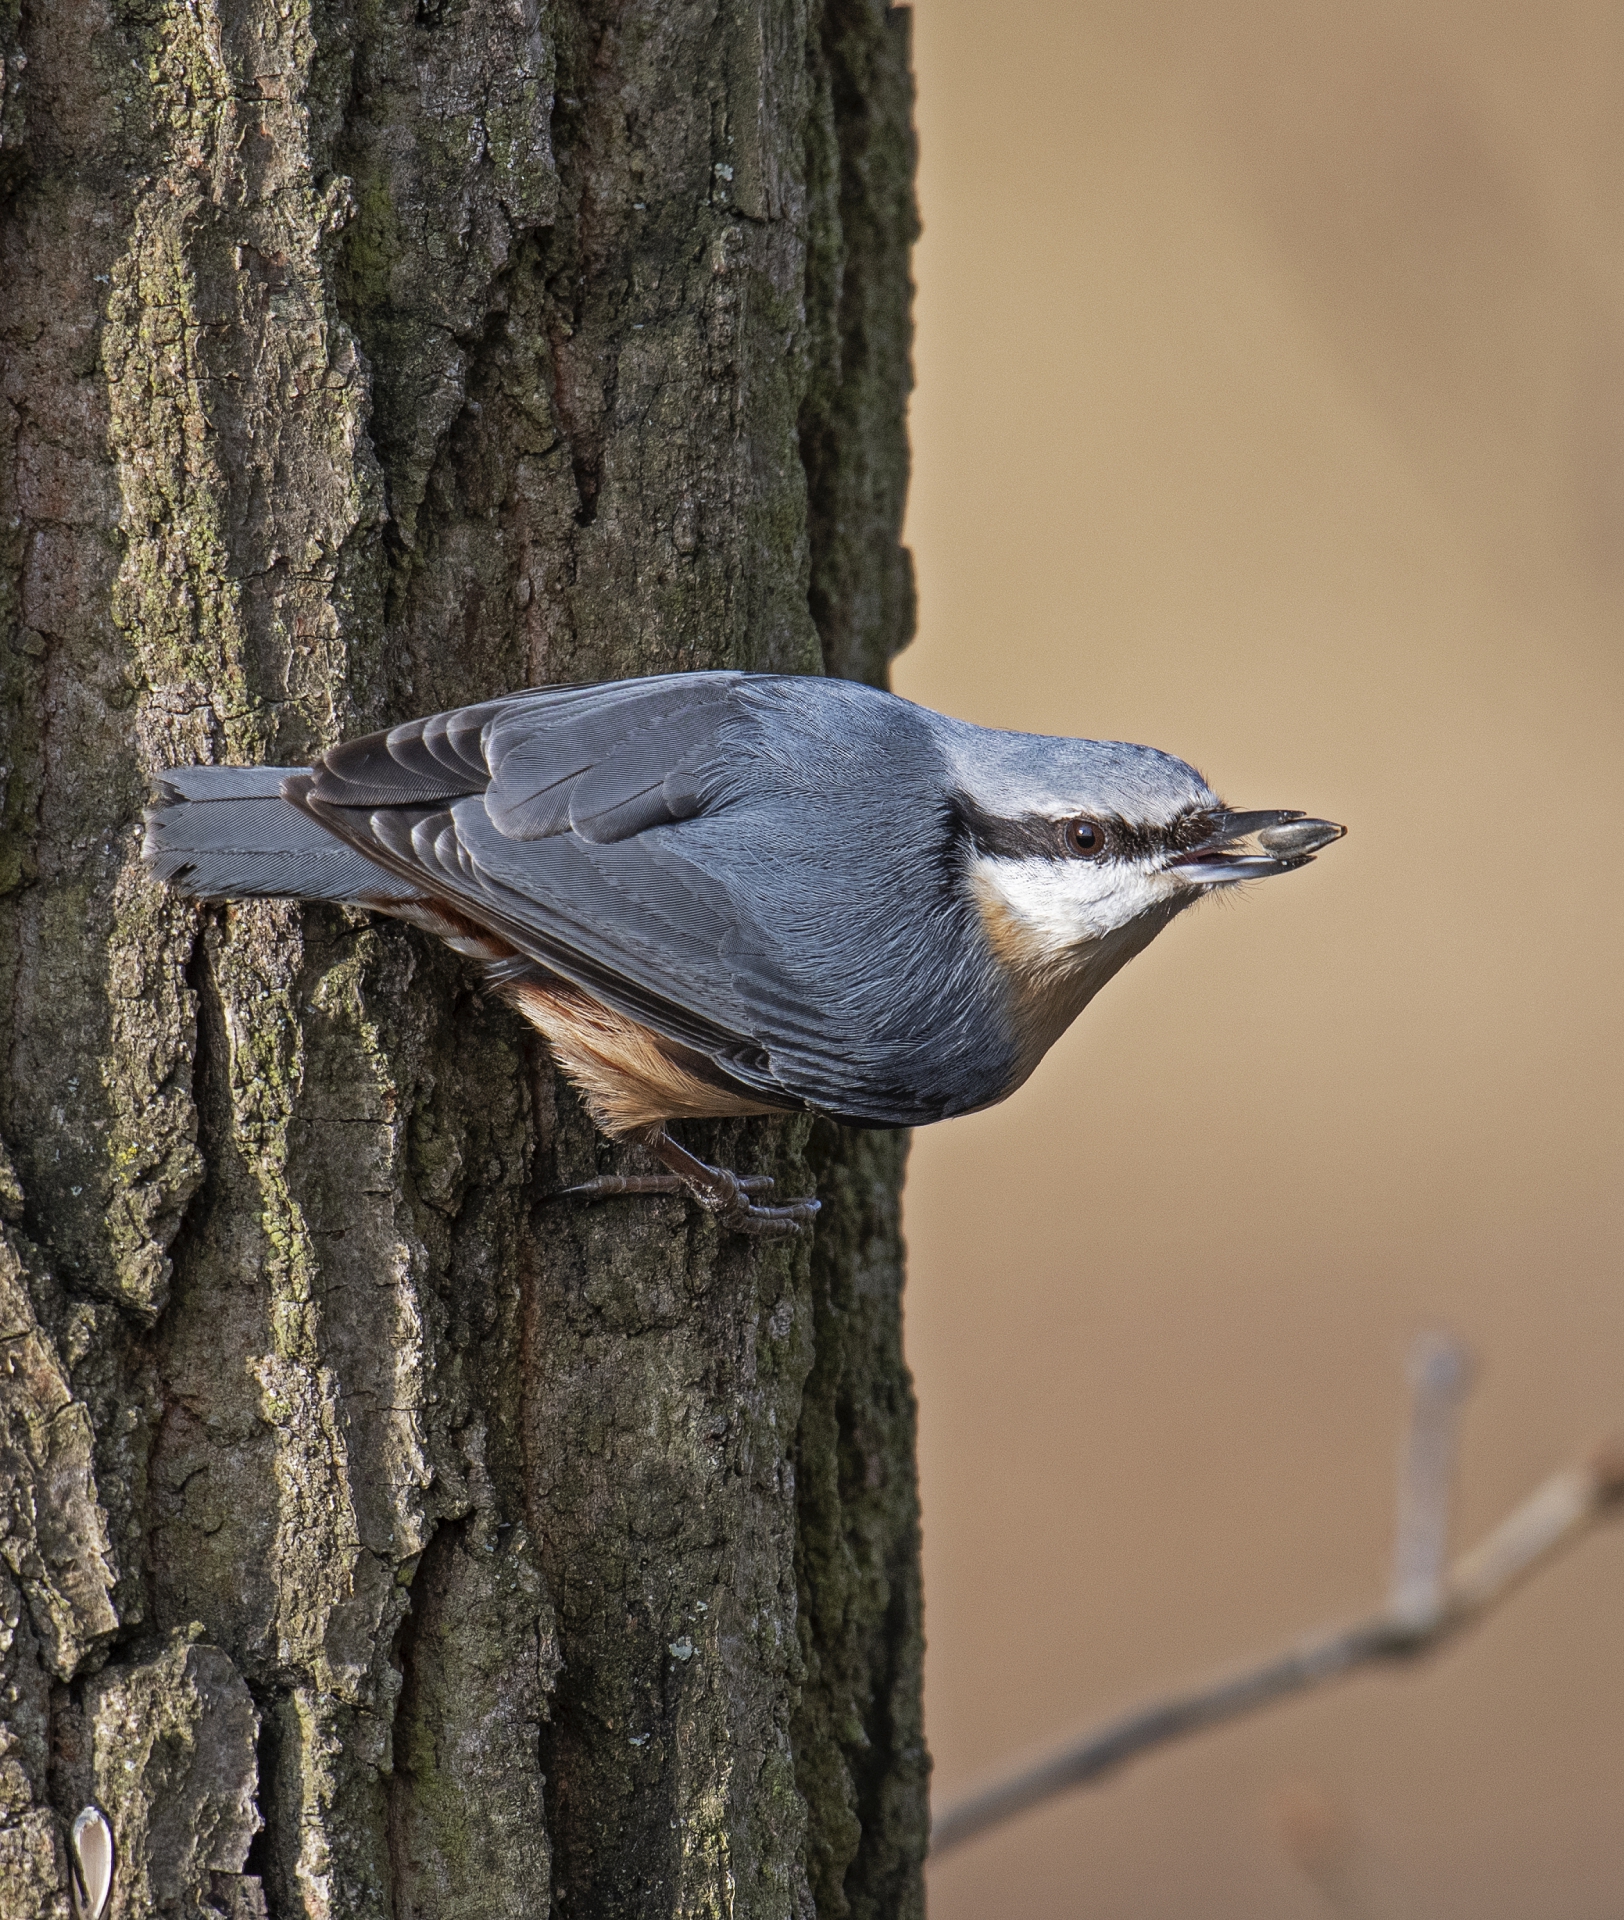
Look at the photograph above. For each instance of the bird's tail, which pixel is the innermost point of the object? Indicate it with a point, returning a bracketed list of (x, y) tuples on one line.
[(222, 833)]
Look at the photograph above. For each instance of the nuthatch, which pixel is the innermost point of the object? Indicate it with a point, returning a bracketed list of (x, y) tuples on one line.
[(728, 893)]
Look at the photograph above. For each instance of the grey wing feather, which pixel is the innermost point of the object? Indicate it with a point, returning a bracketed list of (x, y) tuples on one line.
[(440, 758), (617, 765), (631, 921)]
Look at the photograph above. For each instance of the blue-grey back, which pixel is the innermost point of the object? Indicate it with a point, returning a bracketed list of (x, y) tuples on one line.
[(827, 815)]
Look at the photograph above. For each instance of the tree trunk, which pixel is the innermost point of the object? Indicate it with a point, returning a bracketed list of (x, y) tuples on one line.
[(382, 1537)]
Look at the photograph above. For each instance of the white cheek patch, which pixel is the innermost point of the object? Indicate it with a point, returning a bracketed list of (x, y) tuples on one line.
[(1042, 911)]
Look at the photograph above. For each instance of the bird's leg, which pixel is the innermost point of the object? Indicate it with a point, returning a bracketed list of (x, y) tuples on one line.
[(718, 1191)]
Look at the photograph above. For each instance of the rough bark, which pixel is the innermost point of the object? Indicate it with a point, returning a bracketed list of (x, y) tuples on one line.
[(381, 1537)]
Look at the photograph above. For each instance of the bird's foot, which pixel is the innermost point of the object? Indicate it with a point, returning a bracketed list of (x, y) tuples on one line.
[(717, 1189)]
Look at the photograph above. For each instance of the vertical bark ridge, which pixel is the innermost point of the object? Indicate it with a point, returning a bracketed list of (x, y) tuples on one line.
[(861, 1762), (854, 438)]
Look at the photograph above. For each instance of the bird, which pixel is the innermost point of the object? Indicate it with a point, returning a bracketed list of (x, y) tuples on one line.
[(725, 893)]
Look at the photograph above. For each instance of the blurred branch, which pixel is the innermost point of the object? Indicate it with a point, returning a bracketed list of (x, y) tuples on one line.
[(1440, 1374), (1426, 1605)]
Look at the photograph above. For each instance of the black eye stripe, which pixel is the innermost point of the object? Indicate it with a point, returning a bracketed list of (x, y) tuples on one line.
[(1032, 836)]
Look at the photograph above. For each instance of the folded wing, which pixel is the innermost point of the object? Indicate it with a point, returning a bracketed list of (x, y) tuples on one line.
[(554, 820)]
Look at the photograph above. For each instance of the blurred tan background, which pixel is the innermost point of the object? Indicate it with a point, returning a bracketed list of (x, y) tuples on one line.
[(1271, 410)]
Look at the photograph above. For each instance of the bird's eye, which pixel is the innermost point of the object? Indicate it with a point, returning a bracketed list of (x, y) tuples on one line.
[(1085, 837)]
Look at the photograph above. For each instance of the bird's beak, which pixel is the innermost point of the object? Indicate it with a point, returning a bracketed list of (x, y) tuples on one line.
[(1251, 846)]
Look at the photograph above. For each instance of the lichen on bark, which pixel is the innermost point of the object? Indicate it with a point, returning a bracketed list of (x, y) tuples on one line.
[(384, 1537)]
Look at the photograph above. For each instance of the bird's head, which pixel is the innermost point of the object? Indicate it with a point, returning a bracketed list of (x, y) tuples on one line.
[(1078, 852)]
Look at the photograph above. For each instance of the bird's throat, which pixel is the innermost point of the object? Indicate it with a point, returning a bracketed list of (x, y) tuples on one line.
[(1049, 979)]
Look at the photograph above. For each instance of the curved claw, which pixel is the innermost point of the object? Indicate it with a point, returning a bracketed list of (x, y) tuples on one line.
[(723, 1193), (790, 1218)]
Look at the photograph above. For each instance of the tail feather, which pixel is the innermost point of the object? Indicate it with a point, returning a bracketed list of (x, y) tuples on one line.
[(223, 833)]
